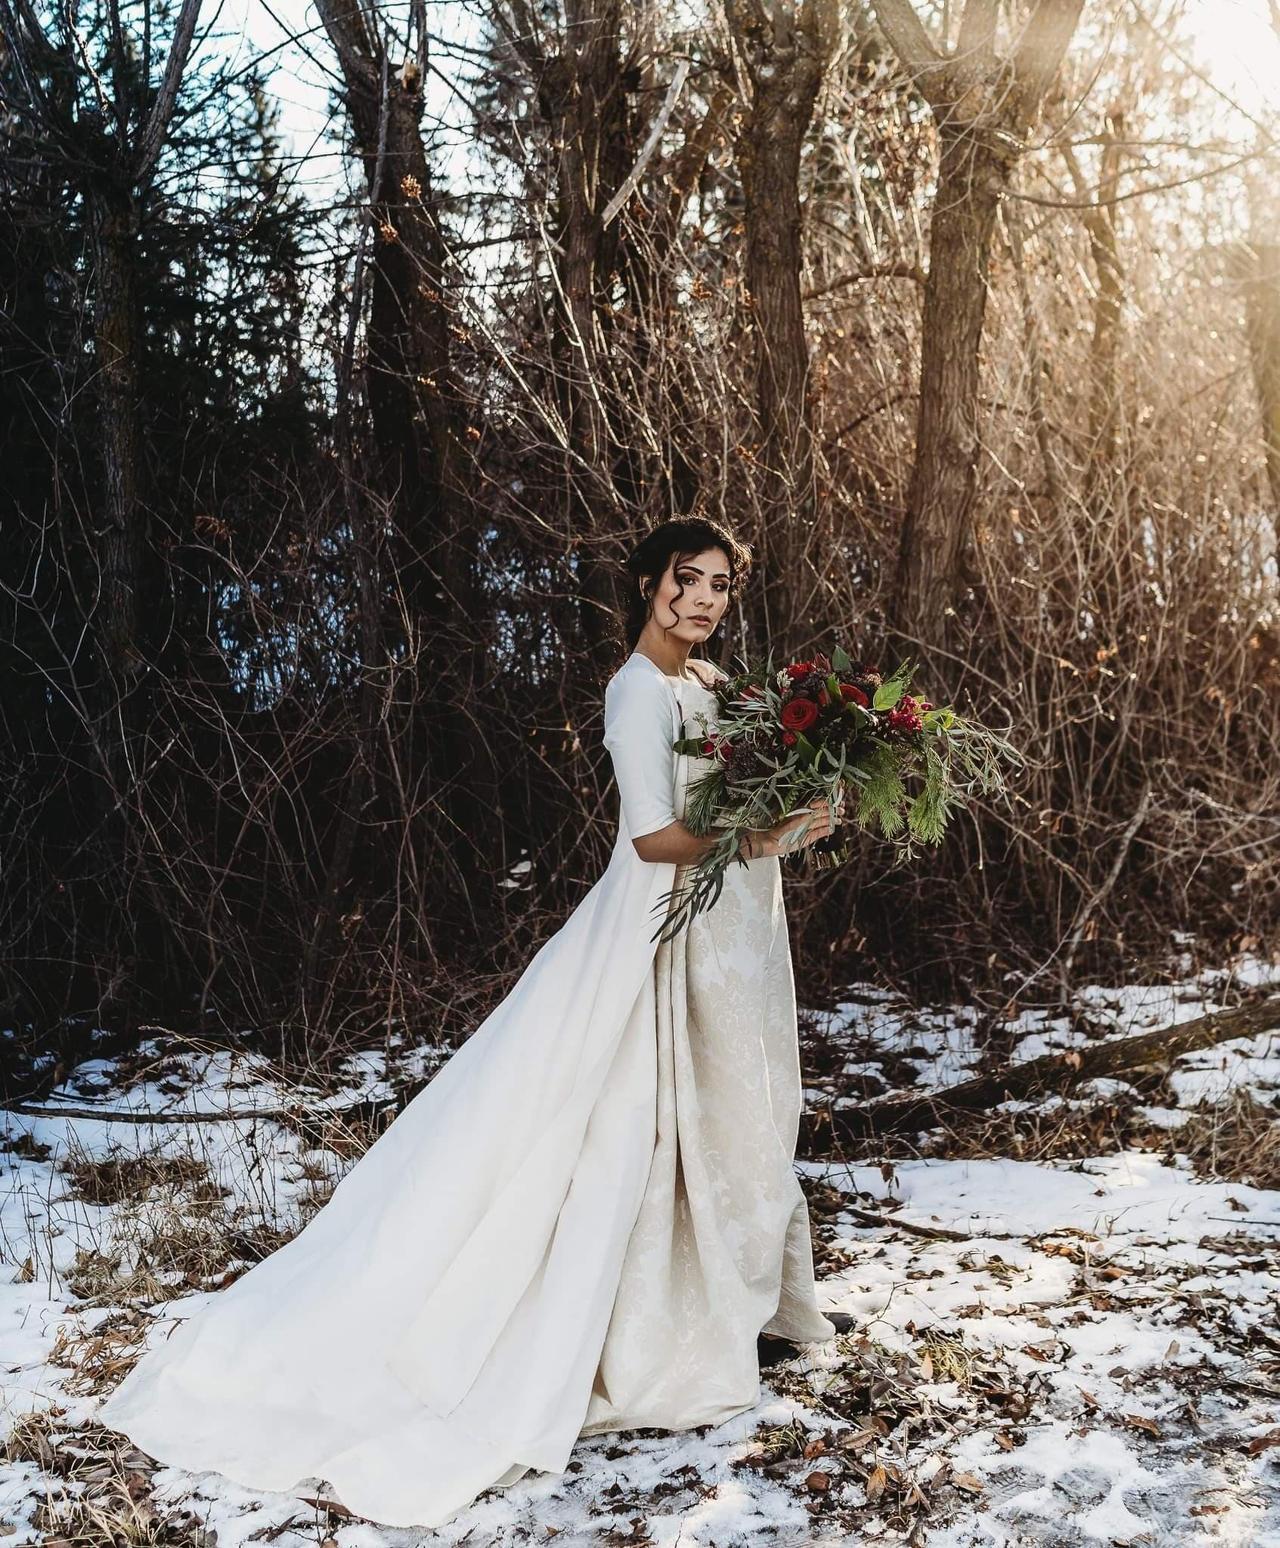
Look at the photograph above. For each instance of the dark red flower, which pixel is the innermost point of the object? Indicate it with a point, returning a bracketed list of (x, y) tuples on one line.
[(799, 714), (799, 669), (789, 737), (852, 691)]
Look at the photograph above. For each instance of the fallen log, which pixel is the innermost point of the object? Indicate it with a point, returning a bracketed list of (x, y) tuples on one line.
[(165, 1115), (298, 1114), (827, 1126)]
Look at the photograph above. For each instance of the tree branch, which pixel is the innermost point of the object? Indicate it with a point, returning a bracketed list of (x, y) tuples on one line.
[(153, 136), (907, 37), (647, 149), (1039, 54), (351, 41), (976, 44)]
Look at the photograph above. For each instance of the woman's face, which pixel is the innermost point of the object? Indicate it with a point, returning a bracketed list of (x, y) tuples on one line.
[(692, 596)]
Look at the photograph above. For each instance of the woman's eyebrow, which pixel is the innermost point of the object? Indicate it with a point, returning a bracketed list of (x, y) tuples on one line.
[(720, 574)]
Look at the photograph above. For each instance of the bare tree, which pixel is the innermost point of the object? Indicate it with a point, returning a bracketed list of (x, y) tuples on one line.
[(983, 104), (581, 62), (1099, 215), (416, 406), (782, 52), (110, 156)]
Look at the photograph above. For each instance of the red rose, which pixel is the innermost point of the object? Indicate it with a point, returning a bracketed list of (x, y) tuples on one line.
[(799, 669), (852, 691), (799, 714), (789, 737)]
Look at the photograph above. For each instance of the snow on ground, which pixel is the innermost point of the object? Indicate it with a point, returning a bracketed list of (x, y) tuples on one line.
[(1069, 1352)]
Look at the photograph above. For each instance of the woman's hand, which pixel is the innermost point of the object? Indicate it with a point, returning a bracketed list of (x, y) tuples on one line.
[(790, 835)]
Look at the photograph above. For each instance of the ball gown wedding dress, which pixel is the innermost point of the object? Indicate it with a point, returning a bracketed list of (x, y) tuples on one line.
[(579, 1225)]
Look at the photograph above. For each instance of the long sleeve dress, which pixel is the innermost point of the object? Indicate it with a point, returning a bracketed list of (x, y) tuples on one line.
[(579, 1225)]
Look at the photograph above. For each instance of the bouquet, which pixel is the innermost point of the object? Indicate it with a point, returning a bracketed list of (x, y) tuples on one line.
[(826, 728)]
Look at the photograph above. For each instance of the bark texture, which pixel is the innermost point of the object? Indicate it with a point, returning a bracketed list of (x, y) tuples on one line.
[(983, 104), (783, 53)]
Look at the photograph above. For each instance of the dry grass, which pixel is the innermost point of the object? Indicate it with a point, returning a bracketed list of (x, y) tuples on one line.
[(26, 1147), (109, 1180), (173, 1228), (944, 1356), (97, 1494), (1237, 1140), (100, 1357)]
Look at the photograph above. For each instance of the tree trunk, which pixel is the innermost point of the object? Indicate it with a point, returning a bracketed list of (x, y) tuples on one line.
[(1262, 307), (972, 176), (415, 405), (1108, 305), (582, 95), (116, 341), (422, 467), (786, 61), (1105, 396), (983, 106)]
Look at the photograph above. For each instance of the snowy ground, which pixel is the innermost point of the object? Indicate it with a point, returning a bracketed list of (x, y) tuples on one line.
[(1078, 1345)]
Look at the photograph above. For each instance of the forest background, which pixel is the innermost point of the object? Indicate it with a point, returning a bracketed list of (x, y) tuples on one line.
[(319, 460)]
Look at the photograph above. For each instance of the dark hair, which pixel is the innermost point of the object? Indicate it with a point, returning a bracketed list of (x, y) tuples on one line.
[(680, 538)]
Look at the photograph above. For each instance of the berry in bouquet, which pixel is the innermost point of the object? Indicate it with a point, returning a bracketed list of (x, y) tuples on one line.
[(826, 728)]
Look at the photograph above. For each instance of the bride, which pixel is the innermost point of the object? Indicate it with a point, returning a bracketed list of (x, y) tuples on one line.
[(583, 1222)]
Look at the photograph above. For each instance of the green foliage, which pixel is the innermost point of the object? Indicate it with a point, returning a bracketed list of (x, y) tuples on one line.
[(893, 687), (706, 795), (881, 796), (929, 812)]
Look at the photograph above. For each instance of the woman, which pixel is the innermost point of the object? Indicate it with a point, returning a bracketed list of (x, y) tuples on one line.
[(584, 1220)]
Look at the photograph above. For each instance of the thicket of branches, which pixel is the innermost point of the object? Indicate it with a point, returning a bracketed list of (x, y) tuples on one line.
[(968, 319)]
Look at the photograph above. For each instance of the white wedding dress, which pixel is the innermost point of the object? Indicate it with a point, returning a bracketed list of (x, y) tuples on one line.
[(579, 1225)]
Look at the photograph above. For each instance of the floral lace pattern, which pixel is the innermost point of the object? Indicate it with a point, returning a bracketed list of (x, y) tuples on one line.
[(721, 1249)]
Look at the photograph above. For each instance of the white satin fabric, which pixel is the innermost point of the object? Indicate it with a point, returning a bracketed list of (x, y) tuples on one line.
[(579, 1225)]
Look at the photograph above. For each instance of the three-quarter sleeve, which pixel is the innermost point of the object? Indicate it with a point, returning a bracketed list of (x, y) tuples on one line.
[(638, 731)]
